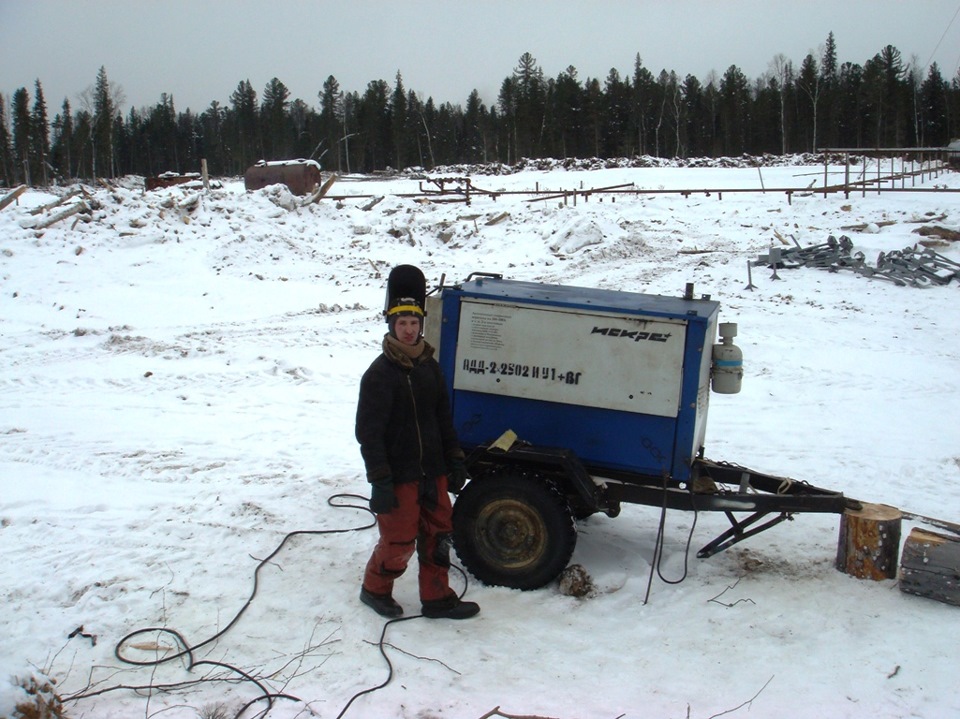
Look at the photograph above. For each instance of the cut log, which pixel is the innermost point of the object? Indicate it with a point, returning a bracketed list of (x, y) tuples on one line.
[(930, 566), (869, 541), (56, 203), (12, 196), (62, 215)]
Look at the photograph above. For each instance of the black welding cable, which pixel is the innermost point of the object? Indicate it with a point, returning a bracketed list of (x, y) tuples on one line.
[(381, 645), (383, 652), (686, 551), (188, 651), (658, 547)]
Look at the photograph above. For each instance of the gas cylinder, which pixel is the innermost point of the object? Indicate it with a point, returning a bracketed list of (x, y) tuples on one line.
[(727, 370)]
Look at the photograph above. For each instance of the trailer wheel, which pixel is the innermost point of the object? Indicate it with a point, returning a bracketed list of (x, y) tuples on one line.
[(513, 530)]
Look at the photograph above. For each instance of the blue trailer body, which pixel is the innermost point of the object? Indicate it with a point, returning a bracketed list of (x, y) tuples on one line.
[(620, 378)]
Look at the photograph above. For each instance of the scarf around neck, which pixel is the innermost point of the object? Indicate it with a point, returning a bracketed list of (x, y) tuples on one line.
[(405, 355)]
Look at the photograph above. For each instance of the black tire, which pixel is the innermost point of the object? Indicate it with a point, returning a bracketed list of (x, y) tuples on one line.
[(513, 530)]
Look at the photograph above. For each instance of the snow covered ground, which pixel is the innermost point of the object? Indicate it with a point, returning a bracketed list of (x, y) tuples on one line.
[(178, 381)]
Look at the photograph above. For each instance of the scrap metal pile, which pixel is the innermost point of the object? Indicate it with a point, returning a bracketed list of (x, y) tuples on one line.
[(911, 266)]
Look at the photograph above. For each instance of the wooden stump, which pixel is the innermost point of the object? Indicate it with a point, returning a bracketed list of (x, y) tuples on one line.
[(930, 566), (869, 542)]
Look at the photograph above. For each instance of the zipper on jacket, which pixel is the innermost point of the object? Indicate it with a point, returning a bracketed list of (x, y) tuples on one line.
[(416, 421)]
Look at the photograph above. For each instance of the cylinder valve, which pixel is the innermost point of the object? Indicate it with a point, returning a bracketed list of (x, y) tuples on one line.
[(727, 367)]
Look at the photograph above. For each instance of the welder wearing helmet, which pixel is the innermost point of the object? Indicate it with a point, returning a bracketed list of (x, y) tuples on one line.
[(412, 459)]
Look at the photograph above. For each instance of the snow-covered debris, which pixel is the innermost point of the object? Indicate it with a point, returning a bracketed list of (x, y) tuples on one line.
[(179, 396)]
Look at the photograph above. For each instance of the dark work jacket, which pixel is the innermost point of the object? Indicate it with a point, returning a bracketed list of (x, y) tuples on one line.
[(404, 425)]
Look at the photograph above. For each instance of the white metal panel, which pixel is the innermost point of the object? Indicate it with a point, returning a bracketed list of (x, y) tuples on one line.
[(703, 387), (559, 354)]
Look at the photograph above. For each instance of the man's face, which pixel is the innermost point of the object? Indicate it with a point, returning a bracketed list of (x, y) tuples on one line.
[(407, 329)]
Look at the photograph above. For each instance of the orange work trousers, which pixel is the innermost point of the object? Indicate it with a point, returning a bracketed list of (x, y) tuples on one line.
[(413, 526)]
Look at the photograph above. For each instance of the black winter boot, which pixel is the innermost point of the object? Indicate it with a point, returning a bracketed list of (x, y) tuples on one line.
[(382, 604), (449, 608)]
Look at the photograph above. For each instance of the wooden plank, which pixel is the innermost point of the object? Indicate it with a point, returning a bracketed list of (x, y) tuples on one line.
[(930, 566), (319, 194)]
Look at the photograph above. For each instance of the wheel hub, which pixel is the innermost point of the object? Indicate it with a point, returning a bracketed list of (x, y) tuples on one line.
[(511, 534)]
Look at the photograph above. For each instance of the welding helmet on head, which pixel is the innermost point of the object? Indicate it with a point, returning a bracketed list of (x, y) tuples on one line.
[(406, 294)]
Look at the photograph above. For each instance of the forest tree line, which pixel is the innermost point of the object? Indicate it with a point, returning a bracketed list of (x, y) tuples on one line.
[(884, 103)]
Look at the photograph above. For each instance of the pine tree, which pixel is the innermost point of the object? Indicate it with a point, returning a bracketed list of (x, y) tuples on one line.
[(530, 100), (830, 80), (896, 94), (189, 138), (445, 133), (474, 121), (135, 157), (398, 123), (373, 126), (734, 109), (211, 122), (884, 97), (275, 122), (351, 152), (809, 83), (102, 137), (246, 141), (698, 120), (593, 115), (40, 137), (617, 111), (160, 133), (122, 161), (828, 59), (21, 136), (62, 141), (934, 92), (644, 104), (332, 127), (6, 150), (769, 114), (852, 106), (567, 113), (508, 101)]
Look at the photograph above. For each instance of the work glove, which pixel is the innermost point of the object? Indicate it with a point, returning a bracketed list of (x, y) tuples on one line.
[(382, 497), (456, 476)]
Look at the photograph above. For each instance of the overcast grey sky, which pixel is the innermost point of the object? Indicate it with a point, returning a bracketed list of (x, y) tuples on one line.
[(199, 50)]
